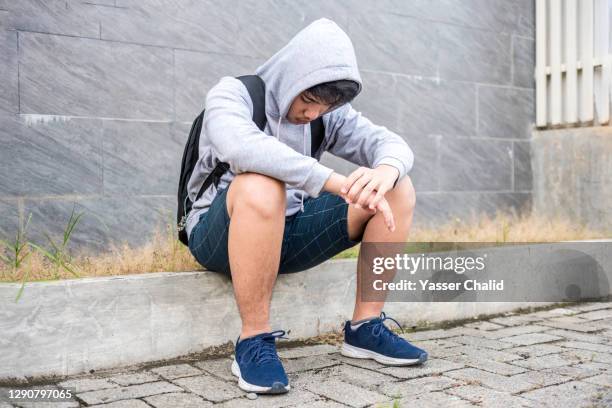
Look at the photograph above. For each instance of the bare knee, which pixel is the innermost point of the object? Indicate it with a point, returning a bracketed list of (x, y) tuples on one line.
[(257, 192), (403, 196)]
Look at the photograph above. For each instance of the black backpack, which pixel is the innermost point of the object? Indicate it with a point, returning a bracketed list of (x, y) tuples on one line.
[(256, 87)]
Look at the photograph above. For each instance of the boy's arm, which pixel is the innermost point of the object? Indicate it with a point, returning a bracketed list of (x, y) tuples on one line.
[(358, 140), (385, 156), (232, 134)]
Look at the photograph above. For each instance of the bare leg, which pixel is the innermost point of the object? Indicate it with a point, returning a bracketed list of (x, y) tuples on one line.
[(402, 200), (256, 205)]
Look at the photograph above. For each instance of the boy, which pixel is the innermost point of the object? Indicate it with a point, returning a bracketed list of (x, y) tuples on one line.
[(278, 210)]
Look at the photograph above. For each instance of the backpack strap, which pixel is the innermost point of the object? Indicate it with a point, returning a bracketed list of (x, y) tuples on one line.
[(257, 91), (317, 133)]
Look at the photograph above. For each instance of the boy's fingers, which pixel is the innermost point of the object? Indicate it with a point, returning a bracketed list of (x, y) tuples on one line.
[(351, 179), (366, 195), (387, 215), (380, 194), (358, 187)]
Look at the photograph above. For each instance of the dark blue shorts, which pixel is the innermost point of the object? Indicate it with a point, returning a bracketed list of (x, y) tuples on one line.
[(310, 237)]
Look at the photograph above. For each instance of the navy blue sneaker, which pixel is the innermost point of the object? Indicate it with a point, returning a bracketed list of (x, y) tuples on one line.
[(257, 365), (376, 341)]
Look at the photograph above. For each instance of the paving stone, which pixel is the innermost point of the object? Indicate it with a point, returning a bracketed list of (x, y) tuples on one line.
[(487, 397), (498, 382), (571, 394), (124, 393), (533, 338), (428, 335), (578, 355), (601, 379), (294, 398), (219, 367), (178, 399), (543, 362), (133, 403), (588, 307), (210, 388), (48, 404), (535, 350), (580, 371), (351, 374), (468, 331), (545, 314), (602, 348), (87, 384), (323, 404), (484, 325), (488, 365), (417, 386), (516, 330), (587, 337), (358, 376), (603, 324), (431, 367), (480, 342), (176, 371), (443, 352), (134, 378), (346, 393), (579, 327), (357, 362), (438, 348), (597, 314), (487, 354), (515, 320), (306, 351), (438, 343), (434, 400), (295, 365), (565, 319), (541, 378)]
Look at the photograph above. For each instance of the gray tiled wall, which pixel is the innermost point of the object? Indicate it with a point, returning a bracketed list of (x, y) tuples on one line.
[(97, 96)]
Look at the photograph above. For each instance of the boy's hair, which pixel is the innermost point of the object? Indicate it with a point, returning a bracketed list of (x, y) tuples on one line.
[(334, 93)]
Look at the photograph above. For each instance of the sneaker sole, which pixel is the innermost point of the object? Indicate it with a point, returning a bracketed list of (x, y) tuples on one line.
[(356, 352), (276, 388)]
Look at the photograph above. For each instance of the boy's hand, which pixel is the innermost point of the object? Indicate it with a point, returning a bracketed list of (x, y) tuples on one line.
[(382, 206), (334, 185), (360, 185)]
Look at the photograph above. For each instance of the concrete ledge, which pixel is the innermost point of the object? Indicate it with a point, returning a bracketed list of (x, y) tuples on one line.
[(73, 326)]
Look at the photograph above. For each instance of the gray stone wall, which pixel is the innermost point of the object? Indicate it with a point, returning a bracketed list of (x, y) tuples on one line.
[(581, 192), (97, 96)]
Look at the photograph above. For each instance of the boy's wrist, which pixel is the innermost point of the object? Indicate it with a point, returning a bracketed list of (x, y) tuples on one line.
[(334, 183)]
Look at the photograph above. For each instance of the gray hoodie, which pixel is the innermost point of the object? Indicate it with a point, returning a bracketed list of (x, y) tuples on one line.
[(319, 53)]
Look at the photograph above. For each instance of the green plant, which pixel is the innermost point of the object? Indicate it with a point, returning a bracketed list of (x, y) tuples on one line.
[(17, 253), (17, 249), (58, 254)]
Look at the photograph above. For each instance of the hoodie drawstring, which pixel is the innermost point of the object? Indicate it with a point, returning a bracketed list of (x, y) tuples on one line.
[(303, 150)]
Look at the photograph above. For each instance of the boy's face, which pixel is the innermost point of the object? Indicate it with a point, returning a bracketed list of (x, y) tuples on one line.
[(305, 108)]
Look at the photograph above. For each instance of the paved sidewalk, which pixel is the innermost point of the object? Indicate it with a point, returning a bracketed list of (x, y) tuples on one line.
[(555, 358)]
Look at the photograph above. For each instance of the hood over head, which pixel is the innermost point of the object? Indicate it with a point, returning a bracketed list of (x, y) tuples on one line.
[(321, 52)]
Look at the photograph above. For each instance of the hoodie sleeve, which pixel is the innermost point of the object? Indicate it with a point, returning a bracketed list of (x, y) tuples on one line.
[(236, 140), (356, 139)]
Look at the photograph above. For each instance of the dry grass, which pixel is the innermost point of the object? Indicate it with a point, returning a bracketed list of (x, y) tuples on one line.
[(164, 253), (502, 227)]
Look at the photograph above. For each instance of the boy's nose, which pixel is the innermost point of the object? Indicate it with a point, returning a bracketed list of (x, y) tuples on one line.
[(312, 114)]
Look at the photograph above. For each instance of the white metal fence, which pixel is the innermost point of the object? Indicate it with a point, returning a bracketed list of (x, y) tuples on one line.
[(573, 62)]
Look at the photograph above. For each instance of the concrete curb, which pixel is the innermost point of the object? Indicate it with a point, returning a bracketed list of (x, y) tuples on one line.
[(73, 326)]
